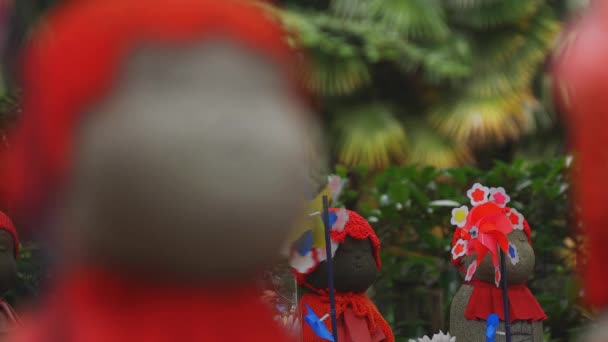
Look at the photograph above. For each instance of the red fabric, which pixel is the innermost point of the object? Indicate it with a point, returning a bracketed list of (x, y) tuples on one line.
[(353, 328), (581, 90), (357, 228), (72, 63), (100, 307), (359, 304), (7, 225), (487, 299)]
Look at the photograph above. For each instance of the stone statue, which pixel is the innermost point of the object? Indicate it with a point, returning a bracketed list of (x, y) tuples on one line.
[(480, 294), (9, 250), (356, 264), (164, 144)]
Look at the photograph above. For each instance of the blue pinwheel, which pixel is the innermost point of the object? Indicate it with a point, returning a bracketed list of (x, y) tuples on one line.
[(492, 327), (317, 325)]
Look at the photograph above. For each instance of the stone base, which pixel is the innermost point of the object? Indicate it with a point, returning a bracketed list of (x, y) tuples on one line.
[(474, 331)]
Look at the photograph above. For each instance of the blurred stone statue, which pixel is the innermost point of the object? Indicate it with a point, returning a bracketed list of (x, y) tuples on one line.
[(164, 144)]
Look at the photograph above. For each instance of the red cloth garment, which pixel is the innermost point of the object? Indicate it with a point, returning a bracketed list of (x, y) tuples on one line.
[(358, 318), (580, 87), (100, 307), (487, 299), (353, 328)]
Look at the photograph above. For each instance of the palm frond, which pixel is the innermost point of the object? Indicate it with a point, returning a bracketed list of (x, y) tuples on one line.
[(445, 61), (512, 61), (413, 18), (485, 120), (371, 136), (485, 14), (469, 3), (331, 75), (427, 147), (335, 65), (352, 9)]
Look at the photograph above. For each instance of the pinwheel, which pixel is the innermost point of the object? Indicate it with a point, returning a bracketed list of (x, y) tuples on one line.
[(484, 228), (306, 244), (492, 327), (317, 325)]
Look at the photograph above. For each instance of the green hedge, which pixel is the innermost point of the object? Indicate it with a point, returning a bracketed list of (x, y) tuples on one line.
[(410, 207)]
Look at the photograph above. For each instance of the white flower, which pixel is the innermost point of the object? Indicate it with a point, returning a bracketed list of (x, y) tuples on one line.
[(441, 337), (517, 219), (459, 216), (478, 194), (499, 196), (459, 249)]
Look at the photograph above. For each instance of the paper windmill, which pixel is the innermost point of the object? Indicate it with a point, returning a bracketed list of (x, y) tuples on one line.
[(484, 228), (307, 241), (317, 325)]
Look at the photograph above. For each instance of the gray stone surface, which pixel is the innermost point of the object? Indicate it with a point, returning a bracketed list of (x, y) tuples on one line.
[(193, 167), (474, 330)]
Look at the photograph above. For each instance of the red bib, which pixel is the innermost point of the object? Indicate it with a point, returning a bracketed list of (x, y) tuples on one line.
[(487, 299)]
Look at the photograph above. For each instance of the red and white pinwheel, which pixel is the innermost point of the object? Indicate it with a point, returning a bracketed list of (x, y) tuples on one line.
[(484, 228)]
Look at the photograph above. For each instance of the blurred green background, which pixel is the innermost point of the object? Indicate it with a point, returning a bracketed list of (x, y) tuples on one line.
[(420, 99)]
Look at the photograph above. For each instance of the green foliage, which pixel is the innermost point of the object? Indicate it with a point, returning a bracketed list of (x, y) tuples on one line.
[(369, 135), (410, 208), (478, 58), (32, 273)]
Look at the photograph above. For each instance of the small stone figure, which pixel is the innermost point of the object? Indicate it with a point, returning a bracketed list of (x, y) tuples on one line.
[(356, 263), (9, 250), (480, 294)]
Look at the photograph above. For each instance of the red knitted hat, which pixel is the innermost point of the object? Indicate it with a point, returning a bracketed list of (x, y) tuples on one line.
[(354, 226), (7, 225), (72, 64)]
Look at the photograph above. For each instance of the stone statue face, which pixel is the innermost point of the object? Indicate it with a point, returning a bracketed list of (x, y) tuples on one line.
[(193, 167), (355, 268), (8, 264), (516, 274)]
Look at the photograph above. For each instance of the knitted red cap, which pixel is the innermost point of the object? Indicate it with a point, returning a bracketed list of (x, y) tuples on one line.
[(357, 228), (7, 225), (73, 61)]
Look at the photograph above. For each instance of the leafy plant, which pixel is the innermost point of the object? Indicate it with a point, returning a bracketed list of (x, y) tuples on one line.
[(410, 208), (462, 70)]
